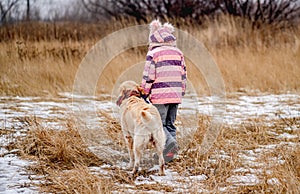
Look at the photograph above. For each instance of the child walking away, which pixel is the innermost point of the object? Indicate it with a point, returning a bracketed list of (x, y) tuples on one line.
[(164, 80)]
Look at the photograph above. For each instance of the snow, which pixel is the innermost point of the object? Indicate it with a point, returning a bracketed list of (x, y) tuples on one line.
[(13, 177), (273, 181), (287, 136), (270, 106), (247, 170), (236, 110), (248, 179), (201, 177)]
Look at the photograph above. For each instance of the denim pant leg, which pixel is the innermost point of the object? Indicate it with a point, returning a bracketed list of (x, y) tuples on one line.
[(163, 111), (170, 119)]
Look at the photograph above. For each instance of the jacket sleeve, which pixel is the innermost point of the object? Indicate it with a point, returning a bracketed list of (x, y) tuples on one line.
[(183, 76), (148, 75)]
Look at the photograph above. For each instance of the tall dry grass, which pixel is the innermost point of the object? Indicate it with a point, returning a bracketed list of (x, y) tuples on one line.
[(77, 180), (224, 158), (265, 59), (42, 58), (63, 149), (62, 158), (38, 68), (64, 162)]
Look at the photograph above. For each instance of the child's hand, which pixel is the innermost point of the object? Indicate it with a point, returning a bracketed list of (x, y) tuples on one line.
[(145, 97)]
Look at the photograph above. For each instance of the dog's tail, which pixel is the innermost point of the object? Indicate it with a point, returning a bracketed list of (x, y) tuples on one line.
[(146, 116)]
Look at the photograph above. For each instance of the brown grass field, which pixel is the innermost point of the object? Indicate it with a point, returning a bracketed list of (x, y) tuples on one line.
[(63, 160), (41, 59)]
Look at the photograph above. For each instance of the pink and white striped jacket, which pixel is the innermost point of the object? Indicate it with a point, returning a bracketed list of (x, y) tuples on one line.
[(164, 76)]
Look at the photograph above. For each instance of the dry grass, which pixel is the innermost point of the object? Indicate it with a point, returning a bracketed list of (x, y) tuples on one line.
[(60, 149), (76, 180), (220, 163), (287, 172), (60, 31), (44, 61), (38, 68), (63, 160), (251, 58), (112, 128), (274, 70)]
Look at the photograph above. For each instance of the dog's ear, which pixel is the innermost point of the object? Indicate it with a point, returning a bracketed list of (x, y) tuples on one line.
[(121, 90), (141, 90)]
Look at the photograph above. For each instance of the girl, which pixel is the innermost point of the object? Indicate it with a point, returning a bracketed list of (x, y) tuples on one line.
[(164, 80)]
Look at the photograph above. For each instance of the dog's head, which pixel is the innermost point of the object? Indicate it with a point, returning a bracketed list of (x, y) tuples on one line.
[(127, 89)]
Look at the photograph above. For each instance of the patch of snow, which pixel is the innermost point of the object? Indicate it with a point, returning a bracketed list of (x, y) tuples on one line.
[(247, 170), (13, 177), (287, 136), (250, 107), (292, 128), (201, 177), (248, 179), (99, 170), (167, 179), (223, 189), (273, 181), (247, 158)]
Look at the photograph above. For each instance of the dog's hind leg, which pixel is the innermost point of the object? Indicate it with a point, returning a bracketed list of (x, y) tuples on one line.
[(138, 147), (161, 161), (129, 142), (159, 142)]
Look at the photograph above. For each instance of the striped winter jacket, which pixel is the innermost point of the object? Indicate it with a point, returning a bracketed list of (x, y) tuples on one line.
[(164, 76)]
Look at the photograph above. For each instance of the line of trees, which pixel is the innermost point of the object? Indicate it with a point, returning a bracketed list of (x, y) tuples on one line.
[(269, 11), (258, 11)]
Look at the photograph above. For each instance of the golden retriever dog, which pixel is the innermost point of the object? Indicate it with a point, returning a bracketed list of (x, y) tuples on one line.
[(141, 124)]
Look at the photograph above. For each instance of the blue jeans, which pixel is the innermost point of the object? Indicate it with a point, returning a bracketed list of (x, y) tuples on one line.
[(168, 114)]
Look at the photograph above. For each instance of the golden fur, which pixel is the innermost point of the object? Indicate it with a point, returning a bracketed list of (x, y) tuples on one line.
[(141, 124)]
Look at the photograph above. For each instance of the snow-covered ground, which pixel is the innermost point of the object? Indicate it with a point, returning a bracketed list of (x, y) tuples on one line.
[(53, 112), (237, 109)]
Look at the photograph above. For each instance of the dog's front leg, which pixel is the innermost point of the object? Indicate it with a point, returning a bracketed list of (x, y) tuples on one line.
[(129, 142)]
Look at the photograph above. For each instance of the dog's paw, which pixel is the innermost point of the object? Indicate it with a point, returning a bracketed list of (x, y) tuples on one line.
[(162, 174), (130, 165)]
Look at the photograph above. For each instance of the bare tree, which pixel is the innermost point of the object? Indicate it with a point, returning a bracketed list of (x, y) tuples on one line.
[(263, 11), (5, 8), (76, 12), (142, 9), (31, 10), (27, 10), (266, 11)]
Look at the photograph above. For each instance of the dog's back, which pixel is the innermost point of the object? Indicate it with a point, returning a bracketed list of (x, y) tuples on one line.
[(141, 123), (137, 113)]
